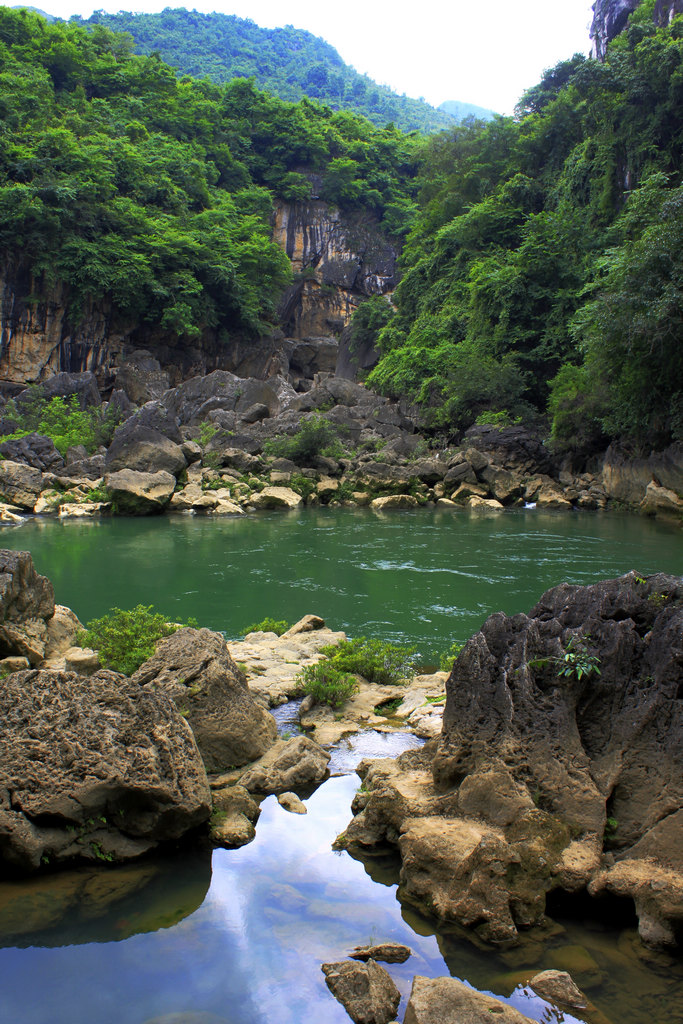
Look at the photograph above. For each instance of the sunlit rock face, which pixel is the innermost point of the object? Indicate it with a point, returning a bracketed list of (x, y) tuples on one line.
[(611, 16)]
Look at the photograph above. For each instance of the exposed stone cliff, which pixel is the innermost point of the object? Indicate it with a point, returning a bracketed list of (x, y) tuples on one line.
[(610, 17), (336, 260)]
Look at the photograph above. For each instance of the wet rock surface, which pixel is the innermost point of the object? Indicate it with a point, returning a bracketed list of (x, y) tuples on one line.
[(449, 1001)]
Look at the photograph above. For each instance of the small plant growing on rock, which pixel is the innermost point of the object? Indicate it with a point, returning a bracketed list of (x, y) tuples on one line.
[(576, 662), (267, 625), (315, 436), (124, 639), (326, 684)]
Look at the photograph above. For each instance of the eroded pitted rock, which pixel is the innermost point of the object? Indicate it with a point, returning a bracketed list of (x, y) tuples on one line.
[(93, 768), (562, 736), (194, 668)]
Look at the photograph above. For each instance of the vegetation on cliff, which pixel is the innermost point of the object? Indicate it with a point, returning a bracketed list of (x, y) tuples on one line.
[(127, 184), (287, 62), (545, 271)]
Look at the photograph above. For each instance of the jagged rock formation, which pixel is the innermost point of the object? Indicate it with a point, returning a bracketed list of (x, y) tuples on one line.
[(610, 17), (560, 765)]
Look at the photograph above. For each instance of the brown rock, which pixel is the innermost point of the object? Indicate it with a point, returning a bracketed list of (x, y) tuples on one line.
[(112, 768), (388, 952), (137, 493), (20, 484), (288, 765), (194, 668), (449, 1001), (558, 987), (366, 991)]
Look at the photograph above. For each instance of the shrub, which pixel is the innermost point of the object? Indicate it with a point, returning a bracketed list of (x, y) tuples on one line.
[(267, 625), (375, 660), (65, 423), (448, 657), (326, 684), (125, 639), (315, 436)]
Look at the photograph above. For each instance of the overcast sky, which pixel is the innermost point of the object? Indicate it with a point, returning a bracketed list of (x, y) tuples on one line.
[(485, 52)]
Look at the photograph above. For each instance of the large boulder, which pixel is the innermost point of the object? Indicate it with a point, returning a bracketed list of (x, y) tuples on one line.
[(27, 606), (295, 764), (449, 1001), (194, 668), (63, 385), (20, 484), (365, 990), (149, 441), (560, 765), (33, 450), (141, 378), (135, 493), (93, 768)]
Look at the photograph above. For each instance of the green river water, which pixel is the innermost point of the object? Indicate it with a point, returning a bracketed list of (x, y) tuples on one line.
[(237, 937)]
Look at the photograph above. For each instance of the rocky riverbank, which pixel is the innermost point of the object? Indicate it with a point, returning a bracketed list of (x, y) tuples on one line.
[(224, 445)]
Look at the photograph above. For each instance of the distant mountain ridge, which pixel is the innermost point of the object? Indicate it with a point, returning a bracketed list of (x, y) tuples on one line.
[(288, 62), (460, 111)]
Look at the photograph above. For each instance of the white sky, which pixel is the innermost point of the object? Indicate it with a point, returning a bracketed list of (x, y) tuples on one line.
[(486, 52)]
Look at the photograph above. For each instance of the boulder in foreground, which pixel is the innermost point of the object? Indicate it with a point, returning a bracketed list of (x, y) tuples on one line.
[(93, 768)]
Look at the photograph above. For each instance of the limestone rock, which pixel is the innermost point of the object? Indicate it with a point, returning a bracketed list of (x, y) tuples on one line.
[(308, 624), (33, 450), (96, 767), (477, 504), (366, 991), (141, 378), (194, 668), (663, 502), (388, 952), (234, 816), (558, 987), (147, 442), (84, 509), (449, 1001), (20, 484), (393, 501), (136, 493), (23, 592), (276, 497), (289, 765), (292, 803)]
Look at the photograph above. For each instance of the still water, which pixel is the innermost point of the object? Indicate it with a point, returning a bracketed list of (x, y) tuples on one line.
[(237, 937)]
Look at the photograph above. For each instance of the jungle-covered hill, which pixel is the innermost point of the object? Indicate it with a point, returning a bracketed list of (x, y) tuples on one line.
[(543, 263), (286, 62)]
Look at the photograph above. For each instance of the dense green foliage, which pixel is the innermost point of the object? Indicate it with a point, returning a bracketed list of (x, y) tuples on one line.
[(326, 684), (127, 184), (267, 625), (62, 420), (374, 660), (287, 62), (126, 639), (545, 270), (315, 436)]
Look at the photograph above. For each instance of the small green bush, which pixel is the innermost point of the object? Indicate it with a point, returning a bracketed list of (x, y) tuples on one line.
[(576, 661), (302, 485), (326, 684), (448, 657), (375, 660), (125, 639), (315, 436), (267, 625), (63, 420)]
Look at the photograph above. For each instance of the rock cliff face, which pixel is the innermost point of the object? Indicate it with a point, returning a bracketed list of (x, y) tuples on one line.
[(336, 261), (611, 16)]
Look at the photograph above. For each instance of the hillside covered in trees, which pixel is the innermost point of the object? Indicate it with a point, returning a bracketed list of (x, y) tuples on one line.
[(122, 181), (545, 272), (543, 258), (287, 62)]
